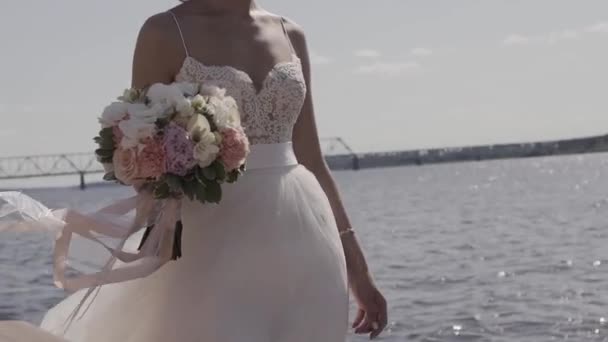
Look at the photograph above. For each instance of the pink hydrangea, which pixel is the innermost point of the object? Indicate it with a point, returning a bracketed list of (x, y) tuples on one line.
[(178, 148), (151, 159), (234, 148)]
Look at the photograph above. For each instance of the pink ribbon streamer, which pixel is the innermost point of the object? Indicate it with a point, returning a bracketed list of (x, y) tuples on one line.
[(107, 222)]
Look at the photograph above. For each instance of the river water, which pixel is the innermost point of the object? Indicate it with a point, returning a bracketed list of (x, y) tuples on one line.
[(490, 251)]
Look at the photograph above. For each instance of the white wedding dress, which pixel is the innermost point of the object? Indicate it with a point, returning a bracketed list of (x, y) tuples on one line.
[(265, 265)]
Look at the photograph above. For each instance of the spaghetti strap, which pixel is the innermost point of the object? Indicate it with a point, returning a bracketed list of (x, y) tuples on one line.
[(181, 34), (293, 51)]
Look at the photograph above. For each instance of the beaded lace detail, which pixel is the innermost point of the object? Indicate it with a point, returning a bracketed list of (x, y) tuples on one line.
[(269, 113)]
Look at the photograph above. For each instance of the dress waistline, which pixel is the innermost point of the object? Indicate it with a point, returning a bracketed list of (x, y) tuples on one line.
[(264, 156)]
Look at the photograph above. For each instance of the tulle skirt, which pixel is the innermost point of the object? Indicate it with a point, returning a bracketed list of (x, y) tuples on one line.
[(265, 265)]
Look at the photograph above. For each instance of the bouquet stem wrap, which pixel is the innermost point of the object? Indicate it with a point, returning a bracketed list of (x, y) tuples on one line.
[(21, 213)]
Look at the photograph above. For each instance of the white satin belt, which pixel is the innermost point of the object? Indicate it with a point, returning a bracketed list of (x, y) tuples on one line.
[(264, 156)]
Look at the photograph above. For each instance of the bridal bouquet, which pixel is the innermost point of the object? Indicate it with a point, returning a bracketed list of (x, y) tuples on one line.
[(170, 142), (177, 139)]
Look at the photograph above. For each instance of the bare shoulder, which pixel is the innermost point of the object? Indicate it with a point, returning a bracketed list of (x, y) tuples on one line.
[(157, 27), (296, 33)]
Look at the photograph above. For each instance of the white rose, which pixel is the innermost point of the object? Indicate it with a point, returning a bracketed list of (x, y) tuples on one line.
[(209, 90), (147, 114), (225, 112), (205, 154), (189, 89), (112, 114), (163, 93), (218, 138), (135, 131), (198, 126), (208, 138), (184, 108)]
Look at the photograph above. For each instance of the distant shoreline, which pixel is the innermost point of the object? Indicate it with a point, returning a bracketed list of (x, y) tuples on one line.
[(356, 161), (346, 161)]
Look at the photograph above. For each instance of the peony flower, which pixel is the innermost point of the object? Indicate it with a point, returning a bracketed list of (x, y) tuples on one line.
[(164, 93), (179, 156), (212, 91), (151, 159), (149, 114), (126, 168), (234, 148), (225, 112), (184, 108), (135, 131), (205, 154), (113, 114), (187, 88)]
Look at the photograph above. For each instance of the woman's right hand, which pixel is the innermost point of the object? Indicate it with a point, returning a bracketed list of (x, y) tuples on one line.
[(372, 316)]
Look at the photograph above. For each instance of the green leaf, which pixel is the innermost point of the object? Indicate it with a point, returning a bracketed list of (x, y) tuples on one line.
[(104, 153), (198, 175), (161, 123), (188, 190), (200, 192), (162, 190), (105, 160), (106, 133), (209, 173), (220, 170), (174, 182), (214, 192), (110, 176), (233, 176)]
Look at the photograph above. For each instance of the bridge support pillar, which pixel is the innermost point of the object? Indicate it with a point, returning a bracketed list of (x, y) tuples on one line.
[(83, 185)]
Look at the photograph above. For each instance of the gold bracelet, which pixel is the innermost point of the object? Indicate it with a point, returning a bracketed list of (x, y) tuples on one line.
[(345, 232)]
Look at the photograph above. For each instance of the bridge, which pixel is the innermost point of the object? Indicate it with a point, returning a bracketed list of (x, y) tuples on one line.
[(338, 153), (81, 164)]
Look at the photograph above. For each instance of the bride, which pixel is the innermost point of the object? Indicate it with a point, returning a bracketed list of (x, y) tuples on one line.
[(274, 261)]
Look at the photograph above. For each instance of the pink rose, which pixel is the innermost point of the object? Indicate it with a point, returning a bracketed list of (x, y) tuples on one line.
[(151, 159), (126, 168), (234, 148), (178, 150)]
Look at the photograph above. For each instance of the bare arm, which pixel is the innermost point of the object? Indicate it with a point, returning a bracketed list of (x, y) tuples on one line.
[(372, 315), (309, 153), (154, 59), (157, 52)]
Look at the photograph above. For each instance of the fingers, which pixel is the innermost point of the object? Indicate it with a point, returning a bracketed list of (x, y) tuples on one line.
[(366, 326), (381, 318), (359, 318), (378, 325), (374, 321)]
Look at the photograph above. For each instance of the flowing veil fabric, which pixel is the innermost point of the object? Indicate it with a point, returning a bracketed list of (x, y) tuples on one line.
[(20, 212), (266, 264)]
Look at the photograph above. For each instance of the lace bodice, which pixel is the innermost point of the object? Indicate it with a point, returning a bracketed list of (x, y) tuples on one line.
[(269, 113)]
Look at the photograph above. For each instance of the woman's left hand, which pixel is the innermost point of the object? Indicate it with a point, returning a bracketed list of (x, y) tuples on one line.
[(372, 316)]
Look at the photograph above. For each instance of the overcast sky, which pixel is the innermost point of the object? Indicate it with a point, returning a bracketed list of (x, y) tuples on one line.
[(387, 74)]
